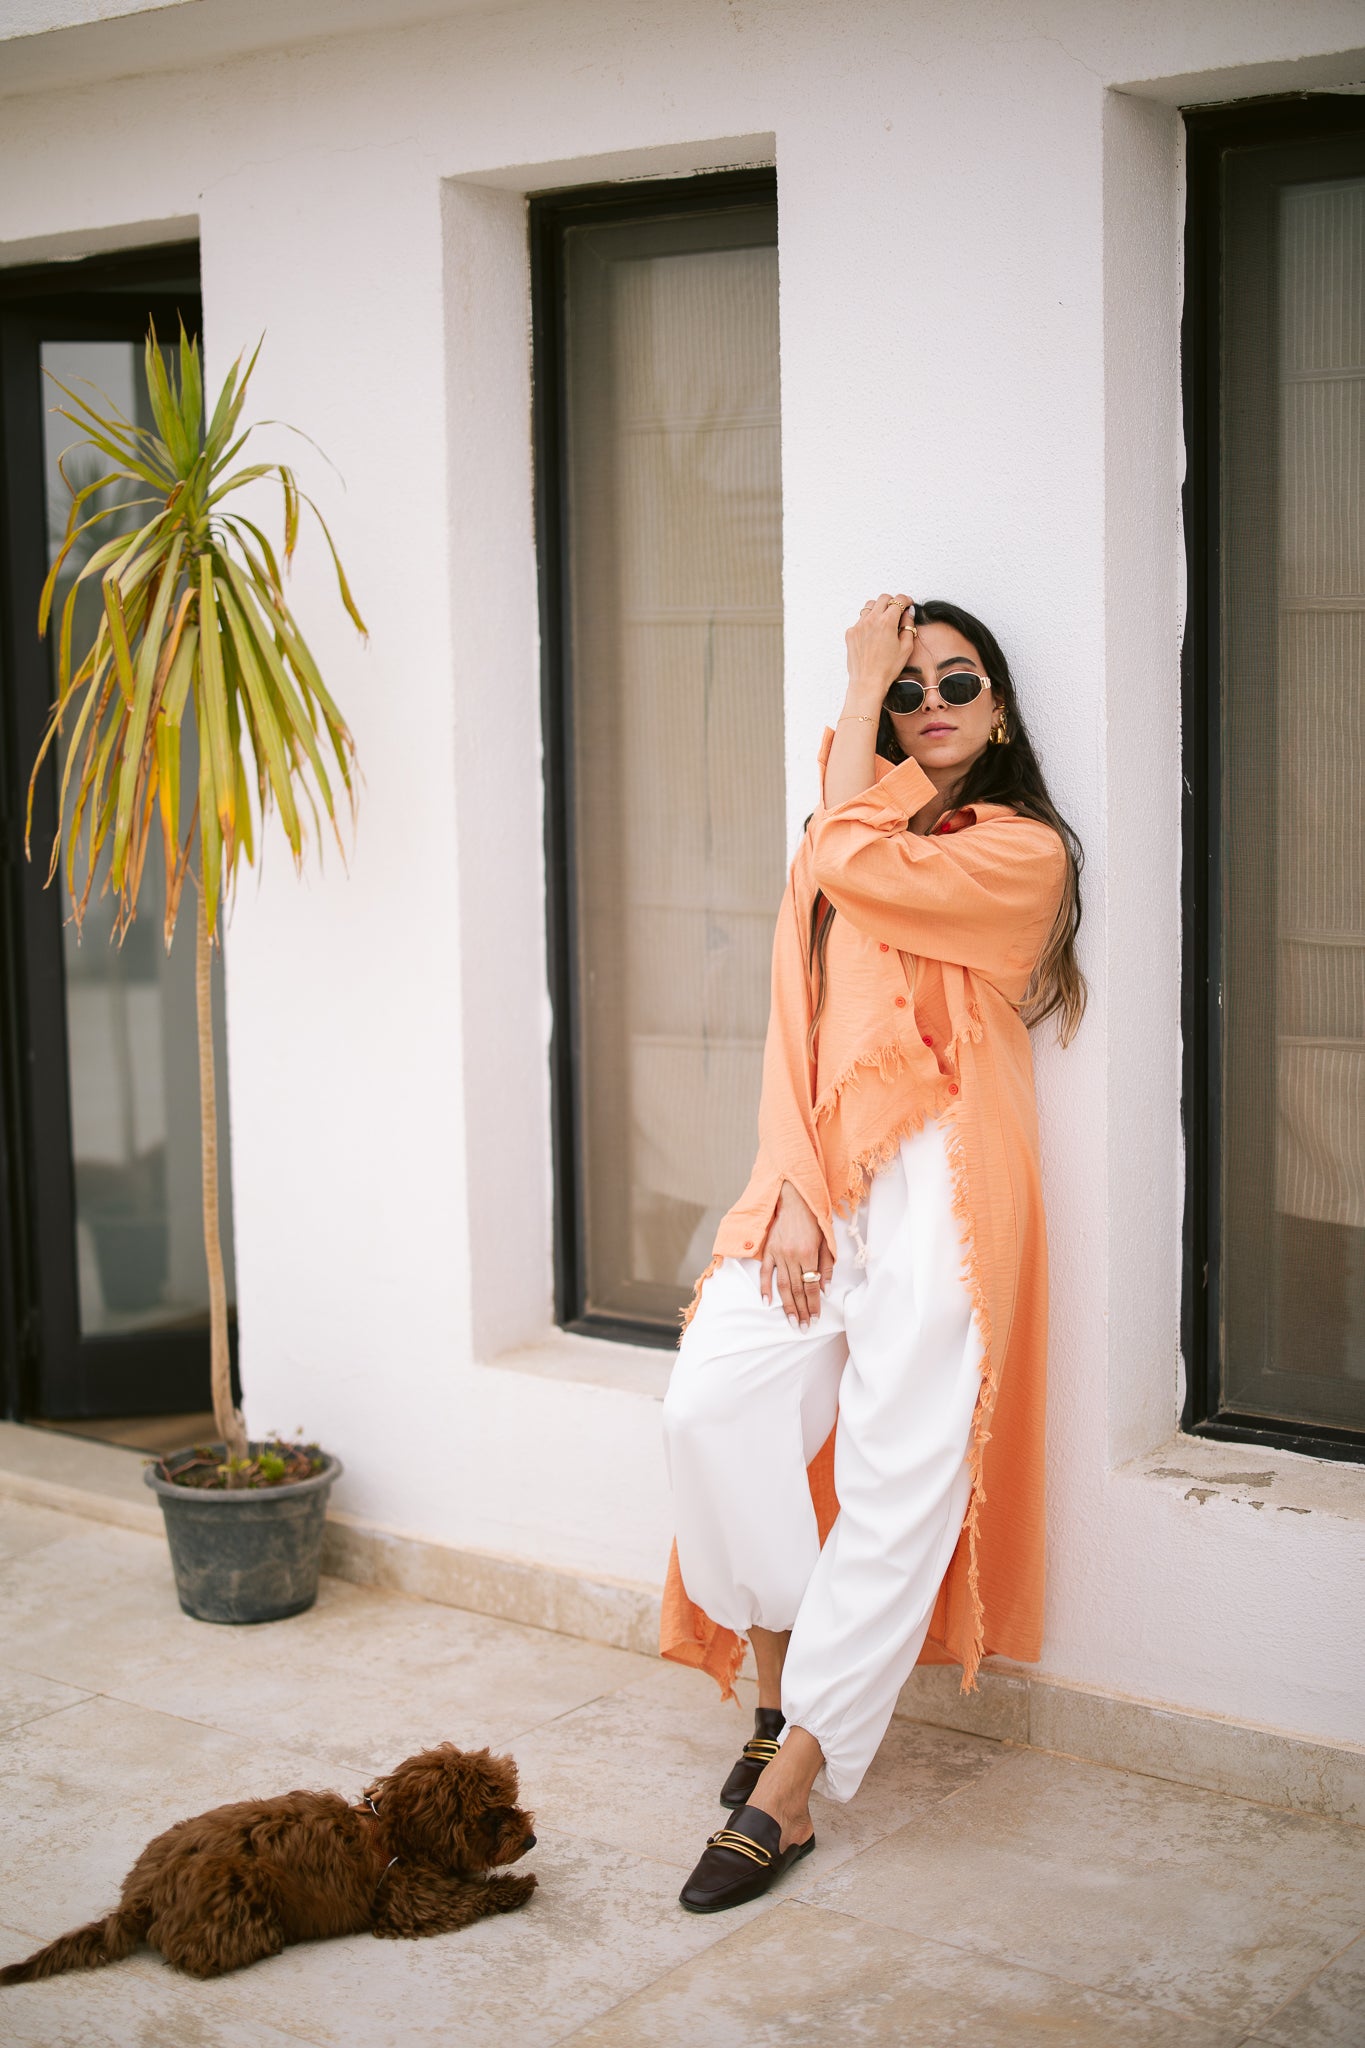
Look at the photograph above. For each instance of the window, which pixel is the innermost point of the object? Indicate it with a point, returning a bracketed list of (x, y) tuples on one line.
[(659, 528), (103, 1285), (1275, 775)]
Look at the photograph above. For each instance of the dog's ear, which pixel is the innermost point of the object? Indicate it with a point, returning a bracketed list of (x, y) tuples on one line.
[(499, 1779)]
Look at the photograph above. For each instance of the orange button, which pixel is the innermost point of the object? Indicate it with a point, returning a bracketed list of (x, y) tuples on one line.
[(900, 1002), (748, 1244), (927, 1039), (882, 946), (952, 1087)]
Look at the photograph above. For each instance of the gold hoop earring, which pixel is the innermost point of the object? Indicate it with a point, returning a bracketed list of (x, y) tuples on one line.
[(999, 737)]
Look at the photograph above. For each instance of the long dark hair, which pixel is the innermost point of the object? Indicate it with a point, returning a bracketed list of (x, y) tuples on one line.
[(999, 775)]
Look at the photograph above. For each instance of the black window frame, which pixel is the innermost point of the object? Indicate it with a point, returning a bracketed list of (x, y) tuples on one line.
[(39, 1325), (551, 214), (1212, 132)]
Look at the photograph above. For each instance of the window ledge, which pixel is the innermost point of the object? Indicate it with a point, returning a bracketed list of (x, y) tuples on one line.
[(1267, 1482), (591, 1362)]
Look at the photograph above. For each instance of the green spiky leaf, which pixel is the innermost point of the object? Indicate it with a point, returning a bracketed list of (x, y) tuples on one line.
[(193, 628)]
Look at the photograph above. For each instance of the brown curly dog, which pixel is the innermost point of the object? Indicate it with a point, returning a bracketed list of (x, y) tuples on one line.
[(242, 1882)]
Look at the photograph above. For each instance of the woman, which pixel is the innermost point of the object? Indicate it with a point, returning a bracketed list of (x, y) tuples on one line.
[(886, 1267)]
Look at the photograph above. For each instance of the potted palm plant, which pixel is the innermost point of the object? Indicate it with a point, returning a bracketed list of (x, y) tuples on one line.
[(194, 633)]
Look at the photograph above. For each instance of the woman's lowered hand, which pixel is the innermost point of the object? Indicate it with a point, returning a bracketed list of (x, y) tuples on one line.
[(795, 1245)]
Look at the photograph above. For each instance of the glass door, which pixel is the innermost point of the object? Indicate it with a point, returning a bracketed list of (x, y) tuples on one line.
[(108, 1282)]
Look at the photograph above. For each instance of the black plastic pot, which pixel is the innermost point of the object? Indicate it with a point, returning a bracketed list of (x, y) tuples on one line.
[(248, 1555)]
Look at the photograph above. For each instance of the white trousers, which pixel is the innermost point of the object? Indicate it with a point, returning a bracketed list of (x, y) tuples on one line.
[(895, 1353)]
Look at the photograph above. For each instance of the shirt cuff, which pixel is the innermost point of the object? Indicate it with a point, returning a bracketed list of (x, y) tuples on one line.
[(896, 797)]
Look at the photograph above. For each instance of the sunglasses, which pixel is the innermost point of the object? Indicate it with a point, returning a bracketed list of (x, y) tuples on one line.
[(961, 687)]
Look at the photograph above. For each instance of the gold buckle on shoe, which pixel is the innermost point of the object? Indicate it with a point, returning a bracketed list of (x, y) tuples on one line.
[(730, 1838), (761, 1749)]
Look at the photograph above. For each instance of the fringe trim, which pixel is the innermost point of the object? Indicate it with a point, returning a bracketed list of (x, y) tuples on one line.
[(990, 1383), (733, 1665), (869, 1164), (889, 1060), (972, 1028), (685, 1315), (863, 1169)]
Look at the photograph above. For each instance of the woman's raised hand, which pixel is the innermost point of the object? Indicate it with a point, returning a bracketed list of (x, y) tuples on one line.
[(795, 1245), (879, 646)]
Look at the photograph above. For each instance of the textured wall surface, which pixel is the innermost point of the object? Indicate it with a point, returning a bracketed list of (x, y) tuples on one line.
[(980, 257)]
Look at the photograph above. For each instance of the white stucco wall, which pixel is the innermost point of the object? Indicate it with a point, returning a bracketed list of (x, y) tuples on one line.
[(359, 200)]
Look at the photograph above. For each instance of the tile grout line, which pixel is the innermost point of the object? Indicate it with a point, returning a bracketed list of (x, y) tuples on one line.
[(279, 1742), (1307, 1983), (47, 1714), (116, 1699), (673, 1970), (802, 1900), (1004, 1958), (1296, 1813), (594, 1699), (285, 1747), (219, 1728), (107, 1982), (1006, 1746), (1096, 1763), (146, 1966), (930, 1806), (564, 1714), (358, 1769), (613, 1848)]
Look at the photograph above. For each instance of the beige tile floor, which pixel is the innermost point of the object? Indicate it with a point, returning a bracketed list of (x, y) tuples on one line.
[(973, 1894)]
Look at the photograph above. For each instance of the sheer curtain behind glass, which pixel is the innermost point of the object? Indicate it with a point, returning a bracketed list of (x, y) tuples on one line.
[(132, 1046), (674, 521), (1294, 723)]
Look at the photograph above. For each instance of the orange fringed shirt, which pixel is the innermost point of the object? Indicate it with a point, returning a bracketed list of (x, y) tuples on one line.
[(927, 963)]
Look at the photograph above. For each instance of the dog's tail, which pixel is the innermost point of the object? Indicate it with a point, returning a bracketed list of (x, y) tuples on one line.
[(86, 1948)]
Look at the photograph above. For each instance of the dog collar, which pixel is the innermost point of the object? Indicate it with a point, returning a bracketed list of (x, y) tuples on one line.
[(367, 1801)]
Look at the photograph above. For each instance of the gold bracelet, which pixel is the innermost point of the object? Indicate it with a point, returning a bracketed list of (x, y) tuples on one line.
[(864, 717)]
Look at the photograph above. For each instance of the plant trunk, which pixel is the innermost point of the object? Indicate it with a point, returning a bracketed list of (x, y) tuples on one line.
[(227, 1419)]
